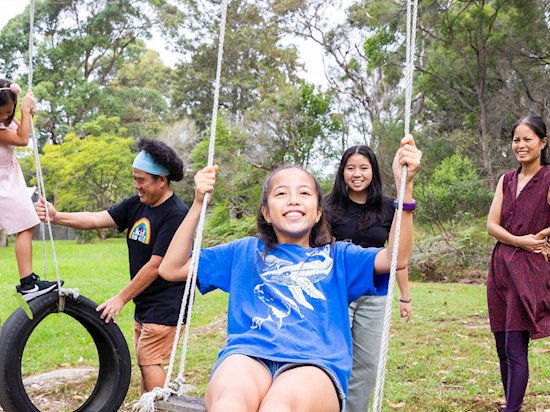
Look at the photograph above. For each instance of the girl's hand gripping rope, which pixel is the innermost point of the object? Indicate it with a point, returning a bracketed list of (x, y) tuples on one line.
[(205, 180), (408, 154), (175, 265), (29, 103)]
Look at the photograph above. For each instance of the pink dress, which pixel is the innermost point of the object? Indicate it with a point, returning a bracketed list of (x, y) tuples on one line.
[(17, 212)]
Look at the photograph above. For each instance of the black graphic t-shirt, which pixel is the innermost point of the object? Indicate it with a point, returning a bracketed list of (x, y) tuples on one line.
[(150, 230)]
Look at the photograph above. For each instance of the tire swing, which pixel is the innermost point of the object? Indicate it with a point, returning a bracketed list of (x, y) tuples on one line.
[(114, 357)]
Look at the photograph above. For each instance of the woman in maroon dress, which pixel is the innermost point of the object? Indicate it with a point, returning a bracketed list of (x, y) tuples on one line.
[(518, 285)]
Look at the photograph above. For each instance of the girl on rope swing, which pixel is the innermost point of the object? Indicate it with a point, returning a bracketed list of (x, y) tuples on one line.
[(289, 341), (518, 285)]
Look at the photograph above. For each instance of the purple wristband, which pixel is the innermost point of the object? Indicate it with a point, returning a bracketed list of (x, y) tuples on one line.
[(406, 205)]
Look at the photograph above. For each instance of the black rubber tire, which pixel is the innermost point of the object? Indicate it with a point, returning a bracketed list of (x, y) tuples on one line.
[(114, 358)]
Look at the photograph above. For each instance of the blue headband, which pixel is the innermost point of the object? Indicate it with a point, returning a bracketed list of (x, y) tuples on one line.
[(145, 162)]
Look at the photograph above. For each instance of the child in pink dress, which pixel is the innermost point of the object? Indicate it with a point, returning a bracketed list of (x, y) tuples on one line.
[(17, 213)]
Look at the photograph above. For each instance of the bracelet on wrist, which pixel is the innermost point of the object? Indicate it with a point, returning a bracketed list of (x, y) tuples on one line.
[(405, 300), (406, 205)]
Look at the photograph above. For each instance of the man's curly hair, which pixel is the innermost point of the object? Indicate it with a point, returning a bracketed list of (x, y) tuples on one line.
[(164, 155)]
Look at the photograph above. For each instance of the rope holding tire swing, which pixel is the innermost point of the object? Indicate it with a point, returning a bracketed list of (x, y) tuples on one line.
[(412, 12), (74, 293), (176, 388)]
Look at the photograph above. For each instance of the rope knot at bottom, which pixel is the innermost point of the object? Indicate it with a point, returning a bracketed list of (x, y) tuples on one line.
[(72, 293), (147, 400)]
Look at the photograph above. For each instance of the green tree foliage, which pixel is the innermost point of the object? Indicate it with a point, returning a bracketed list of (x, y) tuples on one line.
[(295, 126), (80, 46), (454, 194), (480, 65), (91, 174), (255, 63), (363, 57), (239, 181), (138, 95), (300, 125)]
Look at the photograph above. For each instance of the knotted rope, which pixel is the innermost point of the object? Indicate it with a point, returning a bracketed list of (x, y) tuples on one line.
[(147, 401), (412, 12)]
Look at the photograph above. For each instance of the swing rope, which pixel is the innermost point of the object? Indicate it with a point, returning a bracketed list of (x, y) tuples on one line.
[(147, 401), (40, 178), (412, 12)]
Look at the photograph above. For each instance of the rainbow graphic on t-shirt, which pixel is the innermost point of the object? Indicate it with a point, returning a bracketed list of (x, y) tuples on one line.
[(141, 231)]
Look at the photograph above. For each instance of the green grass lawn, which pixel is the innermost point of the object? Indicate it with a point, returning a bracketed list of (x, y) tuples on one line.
[(442, 360)]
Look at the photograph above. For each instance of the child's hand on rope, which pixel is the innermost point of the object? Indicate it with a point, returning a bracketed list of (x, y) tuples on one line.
[(111, 308), (29, 103), (408, 154), (41, 211), (205, 180)]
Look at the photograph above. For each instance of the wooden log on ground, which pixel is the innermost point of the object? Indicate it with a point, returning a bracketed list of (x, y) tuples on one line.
[(181, 404)]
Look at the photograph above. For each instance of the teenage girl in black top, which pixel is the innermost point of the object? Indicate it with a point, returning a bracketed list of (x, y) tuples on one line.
[(358, 212)]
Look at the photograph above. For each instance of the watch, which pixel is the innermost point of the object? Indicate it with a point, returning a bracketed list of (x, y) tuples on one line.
[(406, 205)]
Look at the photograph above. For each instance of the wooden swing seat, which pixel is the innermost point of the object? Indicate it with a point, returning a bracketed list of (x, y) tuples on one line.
[(181, 404)]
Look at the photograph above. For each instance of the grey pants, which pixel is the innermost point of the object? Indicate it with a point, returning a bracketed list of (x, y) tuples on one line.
[(366, 316)]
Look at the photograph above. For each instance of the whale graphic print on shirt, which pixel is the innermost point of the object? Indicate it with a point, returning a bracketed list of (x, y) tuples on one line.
[(299, 278)]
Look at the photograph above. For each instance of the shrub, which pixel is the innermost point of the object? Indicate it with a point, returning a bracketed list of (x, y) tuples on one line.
[(454, 195)]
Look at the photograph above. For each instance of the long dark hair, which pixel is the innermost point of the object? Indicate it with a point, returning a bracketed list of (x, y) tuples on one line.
[(7, 96), (336, 202), (320, 233), (536, 124)]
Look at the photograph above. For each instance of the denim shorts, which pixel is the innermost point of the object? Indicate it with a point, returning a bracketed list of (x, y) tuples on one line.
[(276, 368)]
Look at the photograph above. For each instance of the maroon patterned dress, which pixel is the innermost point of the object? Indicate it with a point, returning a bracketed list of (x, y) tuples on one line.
[(518, 285)]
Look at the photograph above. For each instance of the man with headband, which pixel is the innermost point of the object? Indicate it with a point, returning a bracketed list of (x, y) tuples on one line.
[(151, 217)]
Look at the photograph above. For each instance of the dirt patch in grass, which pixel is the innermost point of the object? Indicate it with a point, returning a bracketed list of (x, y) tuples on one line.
[(60, 390), (471, 276), (61, 396)]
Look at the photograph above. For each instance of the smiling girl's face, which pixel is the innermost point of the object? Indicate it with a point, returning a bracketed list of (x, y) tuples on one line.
[(358, 177), (292, 207)]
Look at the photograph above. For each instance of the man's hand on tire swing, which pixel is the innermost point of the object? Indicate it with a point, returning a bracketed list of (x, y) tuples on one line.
[(111, 308)]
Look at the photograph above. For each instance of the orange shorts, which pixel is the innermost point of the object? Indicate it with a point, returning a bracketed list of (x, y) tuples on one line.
[(153, 343)]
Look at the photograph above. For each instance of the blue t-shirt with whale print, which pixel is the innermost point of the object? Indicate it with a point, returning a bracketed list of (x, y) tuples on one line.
[(291, 306)]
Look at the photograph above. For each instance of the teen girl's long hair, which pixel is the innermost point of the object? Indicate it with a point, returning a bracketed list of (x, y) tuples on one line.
[(335, 204)]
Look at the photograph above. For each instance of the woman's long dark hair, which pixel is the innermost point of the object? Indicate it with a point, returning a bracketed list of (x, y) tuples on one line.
[(7, 96), (320, 233), (536, 124), (335, 204)]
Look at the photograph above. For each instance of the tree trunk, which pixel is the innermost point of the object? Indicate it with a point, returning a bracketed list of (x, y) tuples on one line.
[(485, 146)]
